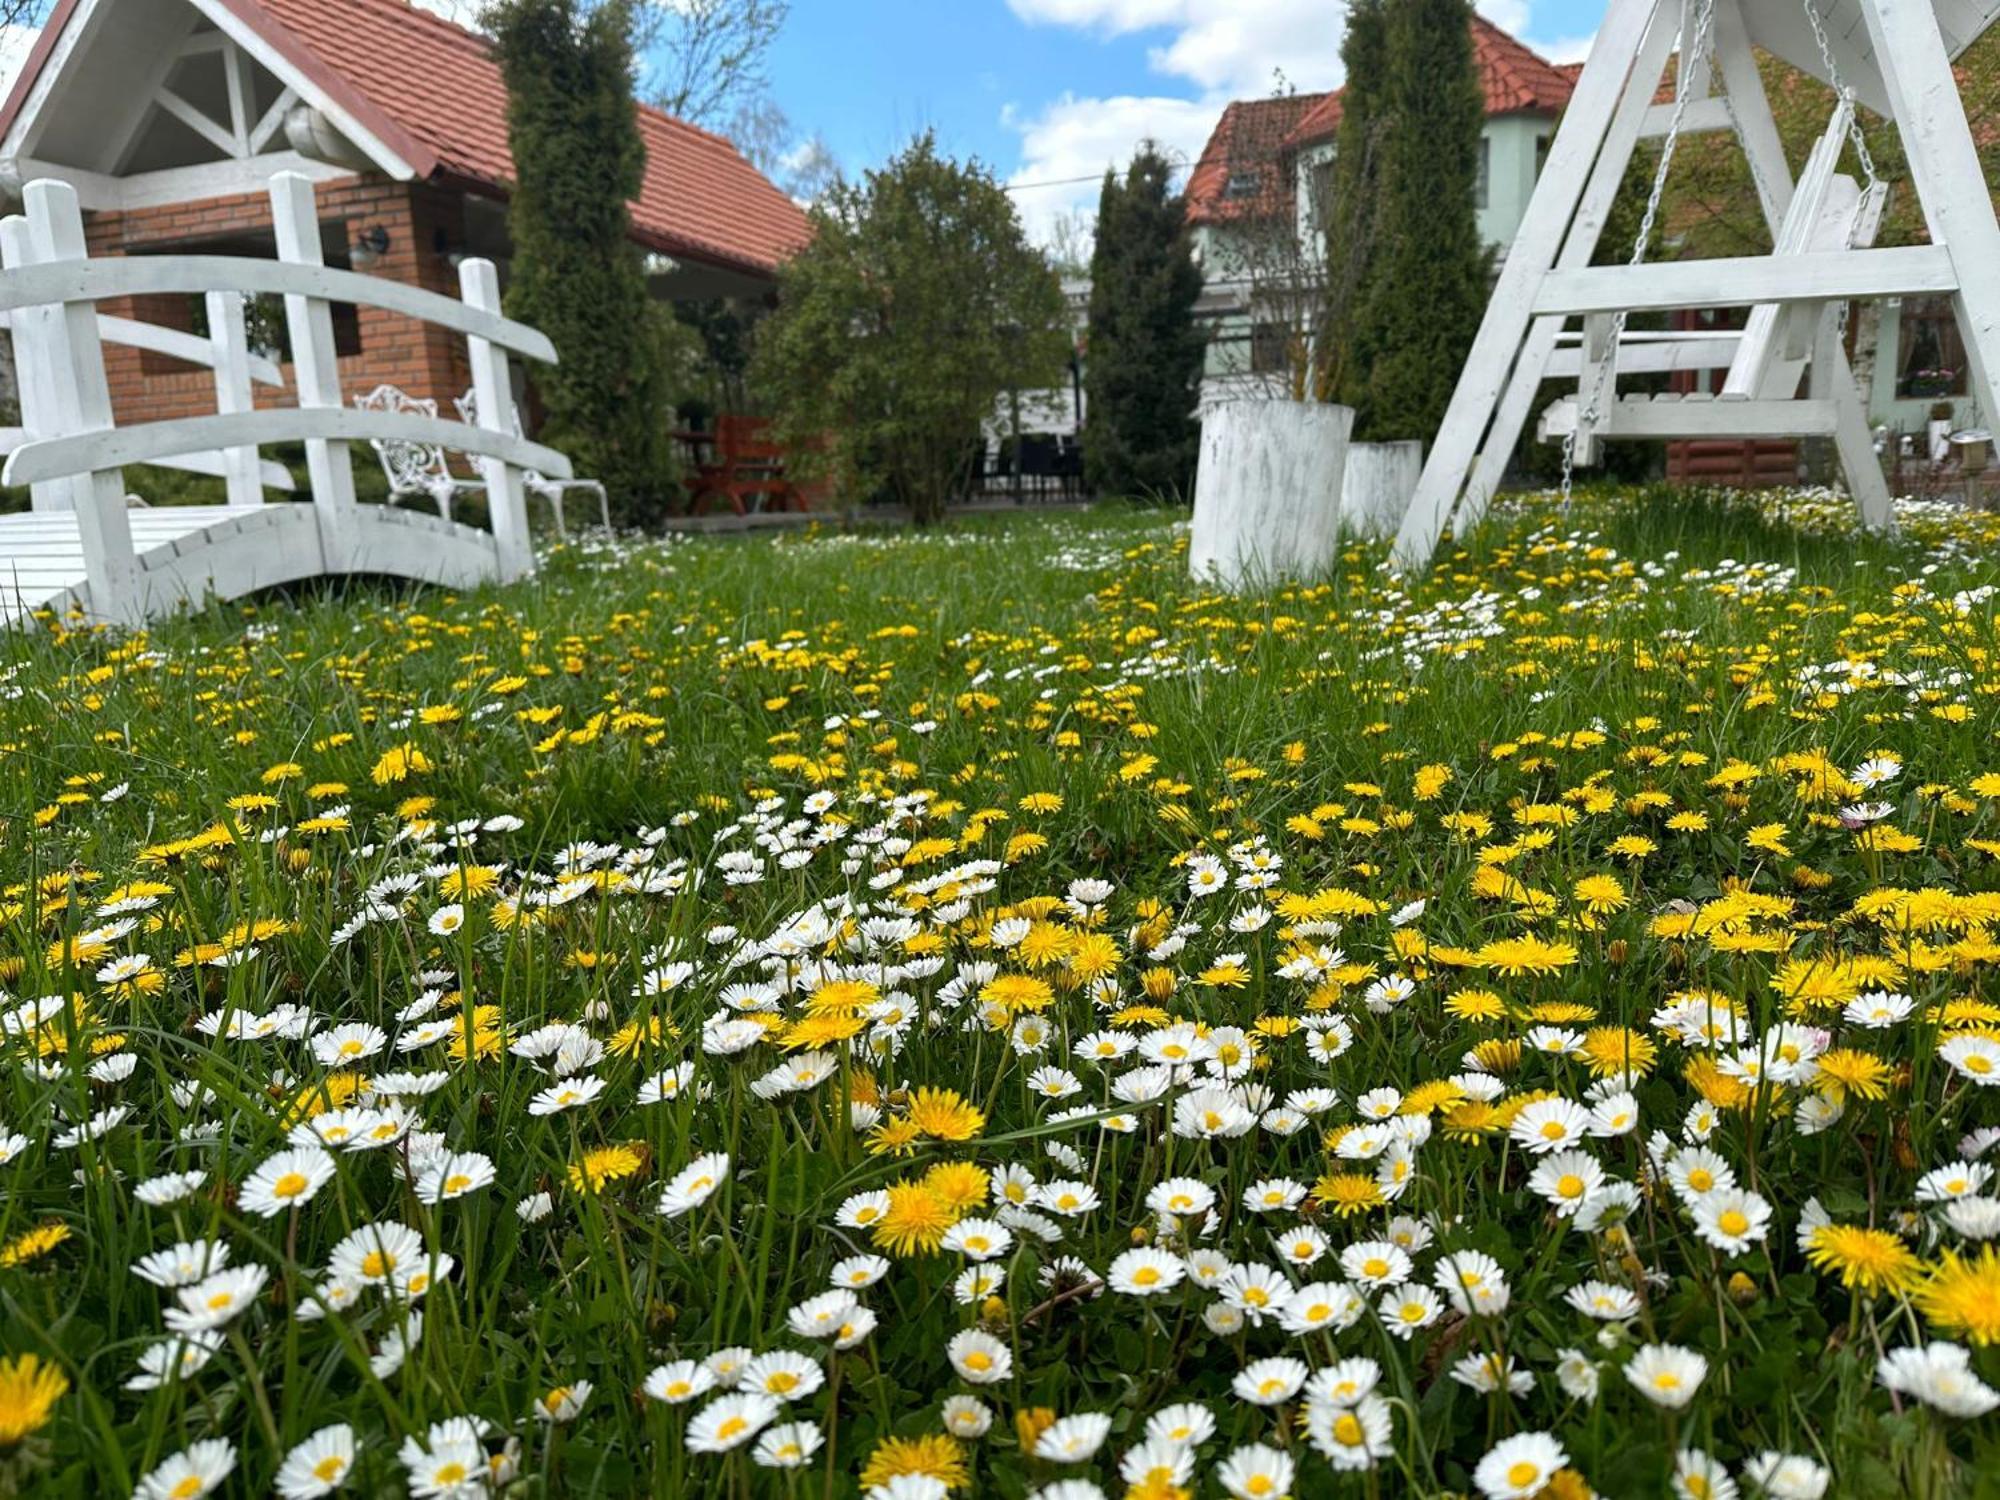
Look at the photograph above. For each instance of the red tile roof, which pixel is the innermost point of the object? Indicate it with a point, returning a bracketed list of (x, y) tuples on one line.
[(1248, 140), (432, 93), (1514, 78)]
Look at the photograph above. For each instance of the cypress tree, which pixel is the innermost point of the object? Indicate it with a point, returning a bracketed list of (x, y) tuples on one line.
[(577, 275), (1146, 353), (1354, 272), (1431, 283)]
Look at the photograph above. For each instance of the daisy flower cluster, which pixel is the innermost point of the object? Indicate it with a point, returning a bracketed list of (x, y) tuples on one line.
[(685, 1028)]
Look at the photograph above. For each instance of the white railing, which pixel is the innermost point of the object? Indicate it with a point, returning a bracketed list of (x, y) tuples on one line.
[(49, 289)]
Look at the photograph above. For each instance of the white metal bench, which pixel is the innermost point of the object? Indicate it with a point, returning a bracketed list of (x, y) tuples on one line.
[(414, 470), (551, 490)]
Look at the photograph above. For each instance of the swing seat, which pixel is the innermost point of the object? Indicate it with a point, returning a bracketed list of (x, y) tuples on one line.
[(1829, 213)]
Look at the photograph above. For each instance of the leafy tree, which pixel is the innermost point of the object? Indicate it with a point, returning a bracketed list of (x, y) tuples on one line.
[(1146, 351), (1427, 290), (917, 304), (577, 275)]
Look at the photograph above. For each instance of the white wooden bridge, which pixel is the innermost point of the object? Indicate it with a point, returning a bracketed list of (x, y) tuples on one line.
[(82, 546)]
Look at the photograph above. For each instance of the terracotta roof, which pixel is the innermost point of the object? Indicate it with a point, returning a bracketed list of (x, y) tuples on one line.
[(432, 93), (1246, 146), (1514, 78)]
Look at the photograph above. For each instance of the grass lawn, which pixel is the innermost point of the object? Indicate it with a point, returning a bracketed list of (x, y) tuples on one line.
[(767, 1017)]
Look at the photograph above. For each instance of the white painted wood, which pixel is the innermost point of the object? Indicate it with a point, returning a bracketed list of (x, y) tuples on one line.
[(1756, 127), (1945, 169), (1698, 416), (493, 393), (1607, 175), (229, 336), (196, 275), (236, 82), (1376, 487), (1701, 350), (246, 36), (34, 376), (1739, 281), (315, 367), (173, 342), (175, 185), (49, 458), (1701, 117), (216, 135), (271, 121), (1267, 488), (1800, 232), (1535, 248), (81, 402)]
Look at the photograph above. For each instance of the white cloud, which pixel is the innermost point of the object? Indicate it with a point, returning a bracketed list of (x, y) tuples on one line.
[(1217, 50), (1220, 46), (1074, 139)]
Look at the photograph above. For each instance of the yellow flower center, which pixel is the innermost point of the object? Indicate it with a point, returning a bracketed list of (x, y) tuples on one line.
[(1733, 1222), (1523, 1474), (1552, 1130), (1569, 1186), (1347, 1430), (289, 1186)]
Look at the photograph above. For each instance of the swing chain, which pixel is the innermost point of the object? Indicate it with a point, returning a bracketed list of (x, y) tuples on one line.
[(1855, 134), (1690, 56)]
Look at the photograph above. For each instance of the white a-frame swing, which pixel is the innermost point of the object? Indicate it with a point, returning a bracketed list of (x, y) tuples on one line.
[(1893, 57)]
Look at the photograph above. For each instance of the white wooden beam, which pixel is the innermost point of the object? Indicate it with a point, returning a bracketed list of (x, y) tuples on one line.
[(493, 395), (81, 403), (315, 366), (236, 80), (1945, 168), (1697, 416), (1607, 176), (1741, 281), (196, 275), (271, 121), (1508, 312), (215, 134), (313, 423), (34, 376), (1701, 117), (228, 335), (1756, 127)]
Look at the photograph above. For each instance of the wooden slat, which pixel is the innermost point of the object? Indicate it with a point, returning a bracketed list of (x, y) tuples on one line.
[(191, 275), (1742, 281), (50, 458)]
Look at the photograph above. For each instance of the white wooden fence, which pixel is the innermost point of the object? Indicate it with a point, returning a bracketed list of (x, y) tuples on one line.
[(72, 452)]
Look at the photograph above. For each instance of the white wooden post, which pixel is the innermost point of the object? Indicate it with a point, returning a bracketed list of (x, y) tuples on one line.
[(229, 337), (79, 402), (1599, 195), (316, 368), (493, 395), (1944, 165), (32, 376), (1512, 305)]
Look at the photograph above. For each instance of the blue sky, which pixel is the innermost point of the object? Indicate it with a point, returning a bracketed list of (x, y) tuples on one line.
[(1049, 90)]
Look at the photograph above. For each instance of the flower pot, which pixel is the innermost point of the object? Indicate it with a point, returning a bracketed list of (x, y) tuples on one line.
[(1267, 505), (1381, 480)]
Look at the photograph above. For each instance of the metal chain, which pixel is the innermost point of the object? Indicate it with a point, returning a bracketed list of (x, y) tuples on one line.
[(1690, 55), (1854, 131)]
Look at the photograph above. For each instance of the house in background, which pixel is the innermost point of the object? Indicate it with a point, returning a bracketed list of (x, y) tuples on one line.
[(169, 117), (1254, 201)]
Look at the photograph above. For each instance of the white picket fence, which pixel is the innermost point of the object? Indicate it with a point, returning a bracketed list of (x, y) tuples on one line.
[(78, 544)]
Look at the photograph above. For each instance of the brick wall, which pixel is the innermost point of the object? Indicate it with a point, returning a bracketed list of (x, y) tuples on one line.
[(394, 350)]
